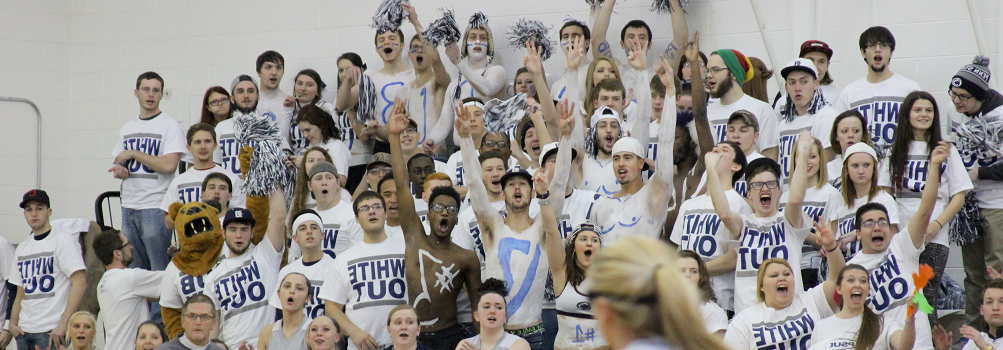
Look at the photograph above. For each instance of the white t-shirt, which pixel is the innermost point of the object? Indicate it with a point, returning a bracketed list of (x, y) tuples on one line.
[(996, 343), (846, 217), (834, 168), (819, 125), (763, 327), (270, 106), (387, 89), (341, 231), (340, 155), (988, 192), (227, 147), (714, 317), (598, 176), (577, 208), (954, 179), (698, 228), (422, 108), (43, 269), (814, 203), (158, 136), (834, 333), (6, 264), (296, 140), (764, 238), (176, 286), (891, 282), (187, 187), (122, 295), (240, 287), (316, 272), (765, 115), (368, 279), (879, 103), (518, 259)]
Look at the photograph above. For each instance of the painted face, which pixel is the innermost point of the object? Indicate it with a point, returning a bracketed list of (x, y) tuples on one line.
[(801, 88), (245, 96), (604, 69), (238, 237), (306, 89), (389, 193), (766, 198), (321, 334), (778, 286), (491, 311), (372, 216), (308, 235), (719, 79), (492, 171), (963, 101), (293, 292), (416, 52), (524, 84), (848, 132), (149, 93), (497, 142), (876, 238), (627, 166), (854, 287), (612, 99), (821, 62), (442, 216), (404, 328), (921, 116), (201, 146), (744, 135), (270, 75), (860, 167), (148, 338), (388, 46), (587, 244), (607, 133), (477, 44), (690, 270), (198, 322), (420, 169), (324, 185), (877, 56), (992, 307), (517, 192), (570, 34), (218, 105), (311, 133), (81, 332), (532, 143)]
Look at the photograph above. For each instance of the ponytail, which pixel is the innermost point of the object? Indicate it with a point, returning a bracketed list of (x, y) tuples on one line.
[(870, 329)]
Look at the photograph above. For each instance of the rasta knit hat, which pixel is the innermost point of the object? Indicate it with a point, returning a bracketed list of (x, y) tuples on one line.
[(974, 78), (737, 63)]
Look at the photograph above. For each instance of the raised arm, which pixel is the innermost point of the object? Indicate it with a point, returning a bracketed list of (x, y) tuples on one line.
[(534, 65), (601, 48), (827, 240), (642, 92), (414, 232), (412, 16), (489, 84), (562, 168), (715, 189), (348, 94), (276, 232), (442, 78), (552, 240), (680, 34), (799, 181), (919, 222), (478, 194), (445, 123), (704, 137), (662, 185)]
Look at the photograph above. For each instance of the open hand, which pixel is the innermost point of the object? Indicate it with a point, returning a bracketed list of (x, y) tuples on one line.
[(826, 239), (532, 60), (576, 51), (398, 118), (462, 122), (667, 75), (637, 57), (567, 117)]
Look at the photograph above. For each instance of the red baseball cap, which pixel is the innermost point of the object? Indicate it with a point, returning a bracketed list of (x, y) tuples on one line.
[(815, 46)]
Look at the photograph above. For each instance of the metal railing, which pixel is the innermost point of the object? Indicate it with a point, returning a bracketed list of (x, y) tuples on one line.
[(38, 156)]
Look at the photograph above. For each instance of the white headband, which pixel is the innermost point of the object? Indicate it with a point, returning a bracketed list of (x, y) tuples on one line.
[(475, 104), (307, 217)]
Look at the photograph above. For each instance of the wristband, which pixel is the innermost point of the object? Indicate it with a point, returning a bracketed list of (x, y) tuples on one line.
[(938, 223), (544, 201), (831, 250), (543, 196)]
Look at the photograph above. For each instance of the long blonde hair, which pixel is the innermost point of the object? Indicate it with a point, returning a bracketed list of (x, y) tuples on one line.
[(640, 278), (590, 84), (69, 323)]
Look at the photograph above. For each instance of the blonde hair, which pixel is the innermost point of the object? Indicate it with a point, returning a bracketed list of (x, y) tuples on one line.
[(849, 191), (400, 307), (69, 323), (760, 294), (642, 282), (590, 83), (491, 41), (823, 174)]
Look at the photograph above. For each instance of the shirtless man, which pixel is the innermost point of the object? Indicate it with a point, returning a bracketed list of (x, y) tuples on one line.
[(432, 257)]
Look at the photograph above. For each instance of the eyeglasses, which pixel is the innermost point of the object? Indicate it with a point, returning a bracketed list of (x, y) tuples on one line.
[(769, 184), (219, 102), (203, 317), (687, 65), (500, 144), (124, 245), (870, 223), (874, 45), (380, 170), (367, 208), (715, 70), (962, 97), (411, 130), (439, 207), (148, 90)]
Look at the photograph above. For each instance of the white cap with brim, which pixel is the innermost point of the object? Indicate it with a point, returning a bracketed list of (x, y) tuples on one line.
[(551, 148), (799, 64), (859, 148), (631, 145), (604, 113)]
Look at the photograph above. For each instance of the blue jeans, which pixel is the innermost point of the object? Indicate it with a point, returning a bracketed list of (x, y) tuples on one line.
[(150, 239), (28, 341), (549, 327)]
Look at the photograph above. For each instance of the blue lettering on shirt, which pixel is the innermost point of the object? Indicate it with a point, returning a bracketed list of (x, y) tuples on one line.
[(38, 274), (242, 288), (761, 243), (888, 285), (793, 333), (378, 278)]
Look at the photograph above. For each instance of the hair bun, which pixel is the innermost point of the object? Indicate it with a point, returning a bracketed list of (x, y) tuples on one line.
[(494, 285)]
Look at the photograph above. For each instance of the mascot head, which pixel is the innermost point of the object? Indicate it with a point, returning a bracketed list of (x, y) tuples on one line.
[(200, 237)]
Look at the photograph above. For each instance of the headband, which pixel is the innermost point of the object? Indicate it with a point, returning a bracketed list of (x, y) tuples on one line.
[(303, 218), (477, 104)]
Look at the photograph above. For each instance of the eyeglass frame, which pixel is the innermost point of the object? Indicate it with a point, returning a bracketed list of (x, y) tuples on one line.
[(451, 209)]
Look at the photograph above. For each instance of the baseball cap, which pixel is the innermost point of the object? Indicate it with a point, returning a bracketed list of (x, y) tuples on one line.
[(238, 215), (604, 113), (35, 195), (799, 64), (631, 145), (240, 78), (321, 167), (516, 172), (859, 147), (815, 46), (747, 117), (378, 158), (551, 148)]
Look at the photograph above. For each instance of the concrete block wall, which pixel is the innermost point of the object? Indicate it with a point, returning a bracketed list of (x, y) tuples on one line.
[(79, 58)]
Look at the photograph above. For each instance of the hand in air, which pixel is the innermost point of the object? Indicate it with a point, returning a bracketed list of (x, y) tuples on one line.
[(398, 118)]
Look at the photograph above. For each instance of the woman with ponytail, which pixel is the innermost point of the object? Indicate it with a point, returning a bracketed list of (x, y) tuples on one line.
[(642, 301), (785, 315), (574, 313), (856, 326)]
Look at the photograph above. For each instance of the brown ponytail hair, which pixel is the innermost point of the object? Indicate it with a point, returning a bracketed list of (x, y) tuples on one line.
[(642, 283), (870, 323)]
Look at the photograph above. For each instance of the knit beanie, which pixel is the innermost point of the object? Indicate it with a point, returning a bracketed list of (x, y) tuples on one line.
[(974, 78), (737, 63), (323, 167)]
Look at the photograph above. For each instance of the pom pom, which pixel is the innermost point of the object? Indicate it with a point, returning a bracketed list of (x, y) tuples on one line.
[(919, 280), (531, 30), (478, 20), (267, 169), (443, 30), (666, 6), (683, 118), (924, 276), (389, 16), (595, 4), (500, 116), (365, 111), (980, 139), (965, 226), (981, 60)]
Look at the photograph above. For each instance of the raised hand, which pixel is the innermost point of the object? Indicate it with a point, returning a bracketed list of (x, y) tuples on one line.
[(453, 52), (942, 338), (462, 122), (576, 51), (692, 52), (412, 15), (667, 75), (940, 153), (826, 239), (711, 160), (805, 141), (532, 60), (567, 117), (637, 57), (541, 181), (398, 118)]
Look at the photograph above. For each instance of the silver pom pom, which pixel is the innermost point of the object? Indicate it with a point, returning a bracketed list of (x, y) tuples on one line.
[(443, 30), (981, 60), (478, 20), (267, 169), (365, 111), (595, 4), (665, 6), (389, 16), (525, 30), (499, 116)]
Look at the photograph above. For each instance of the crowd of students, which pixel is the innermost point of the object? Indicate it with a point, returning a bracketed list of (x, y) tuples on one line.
[(627, 204)]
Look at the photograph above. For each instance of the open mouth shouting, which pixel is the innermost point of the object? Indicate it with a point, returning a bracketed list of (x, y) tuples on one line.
[(587, 253), (782, 290), (419, 59), (289, 301), (443, 226), (856, 295), (878, 238), (765, 200), (387, 50)]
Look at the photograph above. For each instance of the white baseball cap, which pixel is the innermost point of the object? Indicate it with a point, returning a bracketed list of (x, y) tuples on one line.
[(551, 148), (631, 145), (799, 64), (604, 113)]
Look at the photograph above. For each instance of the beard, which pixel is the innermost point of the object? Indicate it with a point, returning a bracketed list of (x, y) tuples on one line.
[(246, 110), (723, 88), (235, 251), (877, 69)]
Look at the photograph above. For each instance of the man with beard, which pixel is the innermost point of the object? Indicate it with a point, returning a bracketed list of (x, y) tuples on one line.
[(123, 293), (879, 94), (187, 187), (639, 208), (512, 242), (433, 257), (727, 70), (241, 283), (270, 66), (244, 99)]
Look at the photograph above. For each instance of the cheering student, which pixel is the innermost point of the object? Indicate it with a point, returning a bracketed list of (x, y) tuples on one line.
[(355, 135), (288, 333), (573, 31), (806, 109), (404, 329), (243, 100), (639, 32), (389, 82), (308, 87), (318, 129), (848, 128), (270, 67), (308, 232), (80, 331), (492, 315), (727, 70), (426, 94)]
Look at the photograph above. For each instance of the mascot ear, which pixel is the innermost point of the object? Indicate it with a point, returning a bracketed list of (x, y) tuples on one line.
[(173, 210)]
